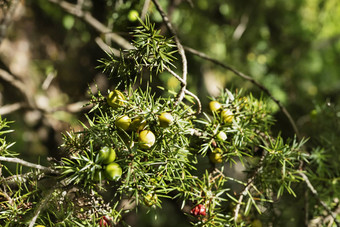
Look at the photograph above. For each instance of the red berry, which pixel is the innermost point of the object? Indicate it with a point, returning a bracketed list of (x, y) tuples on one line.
[(198, 210), (104, 221)]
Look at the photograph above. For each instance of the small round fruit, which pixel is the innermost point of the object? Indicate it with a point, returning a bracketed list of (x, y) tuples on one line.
[(146, 139), (221, 135), (227, 116), (115, 99), (123, 122), (113, 171), (150, 199), (106, 155), (104, 221), (39, 226), (216, 156), (165, 119), (138, 124), (214, 106), (133, 15)]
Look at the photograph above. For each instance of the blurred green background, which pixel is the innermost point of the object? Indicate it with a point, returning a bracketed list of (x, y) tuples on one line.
[(291, 47)]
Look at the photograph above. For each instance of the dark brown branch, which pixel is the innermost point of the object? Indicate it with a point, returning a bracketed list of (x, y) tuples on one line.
[(246, 77)]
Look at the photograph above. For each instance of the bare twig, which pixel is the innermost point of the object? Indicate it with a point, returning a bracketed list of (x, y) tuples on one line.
[(28, 164), (316, 194), (106, 48), (246, 77), (199, 105), (42, 205), (88, 18), (10, 108), (8, 77), (7, 197), (248, 186), (145, 9), (181, 51)]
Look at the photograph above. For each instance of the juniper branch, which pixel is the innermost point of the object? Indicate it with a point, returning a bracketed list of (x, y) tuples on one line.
[(246, 77)]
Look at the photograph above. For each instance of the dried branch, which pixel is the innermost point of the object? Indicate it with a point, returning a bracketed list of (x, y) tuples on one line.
[(246, 77), (28, 164), (316, 194)]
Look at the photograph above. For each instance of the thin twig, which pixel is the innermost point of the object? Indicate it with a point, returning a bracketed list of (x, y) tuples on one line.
[(28, 164), (9, 78), (88, 18), (249, 184), (175, 75), (199, 105), (145, 9), (42, 205), (316, 194), (180, 48), (10, 108), (246, 77)]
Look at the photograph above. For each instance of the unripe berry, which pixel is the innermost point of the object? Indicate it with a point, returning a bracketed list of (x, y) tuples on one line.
[(106, 155), (123, 122), (146, 139), (165, 119), (221, 135), (115, 99), (227, 116), (113, 171), (214, 106)]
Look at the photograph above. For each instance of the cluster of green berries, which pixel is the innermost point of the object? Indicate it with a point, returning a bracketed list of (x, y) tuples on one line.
[(226, 116), (146, 138)]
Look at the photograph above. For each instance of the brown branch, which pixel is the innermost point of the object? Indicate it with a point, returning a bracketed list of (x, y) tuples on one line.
[(199, 105), (28, 164), (316, 195), (145, 9), (10, 108), (89, 19), (249, 184), (181, 51), (42, 205), (9, 78), (246, 77)]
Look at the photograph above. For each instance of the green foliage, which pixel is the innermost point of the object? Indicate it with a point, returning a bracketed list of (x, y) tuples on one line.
[(4, 146), (151, 51), (255, 166)]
